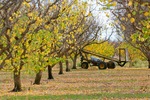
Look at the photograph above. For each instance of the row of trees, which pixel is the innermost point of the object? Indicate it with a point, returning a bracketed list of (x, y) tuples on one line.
[(36, 35)]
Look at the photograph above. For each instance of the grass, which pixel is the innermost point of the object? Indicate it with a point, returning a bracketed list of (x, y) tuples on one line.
[(81, 84), (81, 97)]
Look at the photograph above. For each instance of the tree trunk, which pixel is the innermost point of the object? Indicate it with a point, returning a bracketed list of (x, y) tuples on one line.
[(61, 68), (67, 66), (148, 57), (17, 81), (149, 63), (38, 78), (74, 62), (50, 76)]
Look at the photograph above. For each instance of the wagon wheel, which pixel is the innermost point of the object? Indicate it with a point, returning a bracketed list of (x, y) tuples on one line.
[(111, 65), (102, 65), (84, 65)]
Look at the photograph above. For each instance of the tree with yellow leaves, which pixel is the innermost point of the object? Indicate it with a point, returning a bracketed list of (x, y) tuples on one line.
[(15, 24), (34, 36), (137, 30), (23, 38), (105, 48), (132, 18), (134, 53)]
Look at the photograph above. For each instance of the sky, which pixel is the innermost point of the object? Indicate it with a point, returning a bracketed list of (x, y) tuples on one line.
[(100, 16)]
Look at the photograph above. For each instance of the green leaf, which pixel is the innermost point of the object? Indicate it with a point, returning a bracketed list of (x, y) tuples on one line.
[(134, 12)]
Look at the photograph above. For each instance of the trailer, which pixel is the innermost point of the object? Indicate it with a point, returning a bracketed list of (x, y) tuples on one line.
[(96, 61)]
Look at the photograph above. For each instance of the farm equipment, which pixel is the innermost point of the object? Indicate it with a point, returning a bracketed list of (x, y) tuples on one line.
[(94, 61)]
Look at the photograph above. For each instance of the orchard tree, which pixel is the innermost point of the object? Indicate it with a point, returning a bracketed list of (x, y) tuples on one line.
[(87, 37), (95, 32), (20, 20), (39, 56), (12, 34), (133, 53), (132, 19), (71, 26), (47, 45), (105, 48), (135, 24), (66, 22)]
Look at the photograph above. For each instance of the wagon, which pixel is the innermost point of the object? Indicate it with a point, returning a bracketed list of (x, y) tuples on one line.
[(102, 64)]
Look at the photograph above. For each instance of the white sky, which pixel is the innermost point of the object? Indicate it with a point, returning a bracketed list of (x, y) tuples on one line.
[(101, 17)]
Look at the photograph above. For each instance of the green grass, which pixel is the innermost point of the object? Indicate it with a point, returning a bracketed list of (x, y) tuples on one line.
[(75, 97)]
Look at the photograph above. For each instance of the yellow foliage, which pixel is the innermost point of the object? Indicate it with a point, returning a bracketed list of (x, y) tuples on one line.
[(107, 15), (114, 3), (123, 27), (39, 20), (132, 20), (146, 14), (21, 30), (7, 61), (123, 18), (148, 26), (10, 18), (54, 7), (47, 26), (26, 4), (30, 14), (105, 48), (70, 19), (134, 53), (129, 15), (130, 3), (89, 14)]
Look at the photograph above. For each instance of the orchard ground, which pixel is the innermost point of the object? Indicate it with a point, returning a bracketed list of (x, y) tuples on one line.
[(120, 83)]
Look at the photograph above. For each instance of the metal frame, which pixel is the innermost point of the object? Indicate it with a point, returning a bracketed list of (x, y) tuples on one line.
[(119, 61)]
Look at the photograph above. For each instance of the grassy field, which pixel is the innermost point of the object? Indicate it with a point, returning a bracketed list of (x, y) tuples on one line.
[(81, 84)]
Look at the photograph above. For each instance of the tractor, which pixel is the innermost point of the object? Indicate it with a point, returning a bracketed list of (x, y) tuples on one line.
[(96, 61)]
